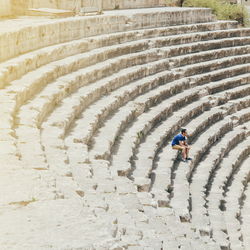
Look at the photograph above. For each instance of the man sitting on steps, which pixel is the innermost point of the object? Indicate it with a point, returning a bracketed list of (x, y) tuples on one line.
[(179, 143)]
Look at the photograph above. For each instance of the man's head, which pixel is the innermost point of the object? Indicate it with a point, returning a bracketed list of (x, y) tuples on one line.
[(184, 132)]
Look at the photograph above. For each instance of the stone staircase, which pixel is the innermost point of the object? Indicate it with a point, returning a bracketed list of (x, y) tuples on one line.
[(87, 116)]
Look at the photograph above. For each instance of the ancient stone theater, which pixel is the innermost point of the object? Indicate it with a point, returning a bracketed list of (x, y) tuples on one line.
[(91, 95)]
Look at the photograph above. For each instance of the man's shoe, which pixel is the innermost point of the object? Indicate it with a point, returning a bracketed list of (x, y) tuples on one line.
[(183, 160), (188, 159)]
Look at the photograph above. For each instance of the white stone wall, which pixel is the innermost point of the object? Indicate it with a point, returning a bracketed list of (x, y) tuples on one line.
[(33, 37), (128, 4), (60, 4), (20, 6), (43, 4), (5, 8), (69, 4)]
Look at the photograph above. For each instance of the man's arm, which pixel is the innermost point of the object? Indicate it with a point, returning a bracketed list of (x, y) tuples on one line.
[(183, 143)]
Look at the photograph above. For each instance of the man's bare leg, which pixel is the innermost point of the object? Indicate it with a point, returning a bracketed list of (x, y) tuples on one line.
[(182, 149), (184, 153), (187, 152)]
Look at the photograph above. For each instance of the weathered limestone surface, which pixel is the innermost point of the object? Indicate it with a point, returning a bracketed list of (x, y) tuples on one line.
[(130, 4), (86, 124), (20, 6), (246, 216), (22, 36), (5, 8)]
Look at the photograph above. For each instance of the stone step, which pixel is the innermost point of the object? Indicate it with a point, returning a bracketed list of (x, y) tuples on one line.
[(160, 218), (200, 36), (119, 121), (87, 118), (242, 116), (138, 107), (100, 110), (217, 113), (245, 217), (46, 32), (140, 219), (143, 125), (39, 154), (202, 56), (233, 201), (180, 187), (33, 114), (30, 117), (233, 70), (84, 57), (46, 105), (220, 74), (215, 132), (54, 93), (219, 228), (193, 55), (236, 105), (165, 164), (20, 65), (203, 46), (162, 174), (148, 149), (24, 96), (38, 79), (96, 113), (215, 64), (235, 93), (34, 216), (202, 179), (25, 186), (153, 43), (93, 188), (180, 198), (50, 12)]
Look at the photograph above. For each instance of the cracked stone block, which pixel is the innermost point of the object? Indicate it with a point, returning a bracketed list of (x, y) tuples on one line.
[(162, 198), (153, 243), (10, 161), (124, 169), (82, 173), (6, 122), (77, 153), (92, 200), (143, 184), (61, 226), (124, 185), (7, 135), (131, 201), (28, 134), (7, 147), (106, 186), (24, 186), (139, 216), (67, 187), (101, 169), (146, 199)]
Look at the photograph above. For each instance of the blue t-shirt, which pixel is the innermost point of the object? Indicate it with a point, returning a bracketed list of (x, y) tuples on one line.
[(177, 139)]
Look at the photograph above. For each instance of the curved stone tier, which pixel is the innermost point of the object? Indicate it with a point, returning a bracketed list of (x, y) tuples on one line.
[(88, 113)]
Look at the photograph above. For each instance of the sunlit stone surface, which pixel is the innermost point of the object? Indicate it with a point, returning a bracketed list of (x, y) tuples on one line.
[(89, 105)]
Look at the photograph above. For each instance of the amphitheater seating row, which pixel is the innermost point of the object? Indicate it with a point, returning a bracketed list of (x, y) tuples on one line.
[(95, 118)]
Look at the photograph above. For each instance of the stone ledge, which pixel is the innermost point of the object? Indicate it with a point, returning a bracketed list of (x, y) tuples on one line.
[(50, 12), (22, 36)]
